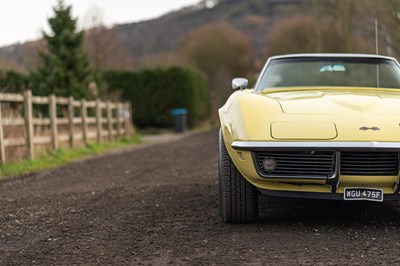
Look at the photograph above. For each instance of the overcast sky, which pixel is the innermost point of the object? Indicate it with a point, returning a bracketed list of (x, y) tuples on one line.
[(22, 20)]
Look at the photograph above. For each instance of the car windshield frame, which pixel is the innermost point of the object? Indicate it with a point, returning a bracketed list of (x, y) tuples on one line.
[(329, 65)]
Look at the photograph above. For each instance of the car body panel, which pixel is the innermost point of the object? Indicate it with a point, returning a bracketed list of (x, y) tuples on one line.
[(248, 116), (337, 101), (304, 130)]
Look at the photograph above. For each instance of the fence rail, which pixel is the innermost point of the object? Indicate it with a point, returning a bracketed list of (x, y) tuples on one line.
[(116, 120)]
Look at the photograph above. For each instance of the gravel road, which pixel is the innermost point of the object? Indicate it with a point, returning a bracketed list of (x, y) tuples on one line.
[(157, 205)]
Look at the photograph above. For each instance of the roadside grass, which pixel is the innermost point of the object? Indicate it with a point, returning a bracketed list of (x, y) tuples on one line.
[(60, 157)]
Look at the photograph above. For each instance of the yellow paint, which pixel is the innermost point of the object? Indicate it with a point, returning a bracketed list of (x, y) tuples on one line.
[(303, 130), (367, 181), (334, 101), (329, 114)]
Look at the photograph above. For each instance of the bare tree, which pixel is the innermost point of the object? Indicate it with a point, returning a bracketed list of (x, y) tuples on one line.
[(7, 64), (387, 13), (330, 26), (221, 52), (104, 46)]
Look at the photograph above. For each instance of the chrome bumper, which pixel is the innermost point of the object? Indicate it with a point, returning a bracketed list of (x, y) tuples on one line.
[(332, 146), (316, 195), (333, 180)]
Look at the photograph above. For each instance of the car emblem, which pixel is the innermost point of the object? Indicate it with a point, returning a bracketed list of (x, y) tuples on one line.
[(370, 128)]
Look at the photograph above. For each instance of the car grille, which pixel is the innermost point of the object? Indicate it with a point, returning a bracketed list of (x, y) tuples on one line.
[(298, 163), (373, 164), (322, 163)]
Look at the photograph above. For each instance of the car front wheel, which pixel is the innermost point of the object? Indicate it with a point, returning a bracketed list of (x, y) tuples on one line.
[(238, 198)]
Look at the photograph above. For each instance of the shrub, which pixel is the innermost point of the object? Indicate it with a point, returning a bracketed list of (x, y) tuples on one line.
[(155, 92), (12, 81)]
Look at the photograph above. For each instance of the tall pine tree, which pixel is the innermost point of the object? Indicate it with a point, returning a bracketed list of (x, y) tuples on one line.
[(65, 70)]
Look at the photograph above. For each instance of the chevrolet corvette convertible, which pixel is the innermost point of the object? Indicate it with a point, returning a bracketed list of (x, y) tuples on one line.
[(323, 126)]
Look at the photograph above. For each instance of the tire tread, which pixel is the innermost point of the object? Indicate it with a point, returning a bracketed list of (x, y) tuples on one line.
[(238, 198)]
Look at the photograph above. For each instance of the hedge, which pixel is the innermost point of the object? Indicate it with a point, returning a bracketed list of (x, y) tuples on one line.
[(13, 81), (155, 92)]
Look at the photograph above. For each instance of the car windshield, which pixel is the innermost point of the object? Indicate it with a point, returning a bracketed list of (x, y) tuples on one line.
[(337, 72)]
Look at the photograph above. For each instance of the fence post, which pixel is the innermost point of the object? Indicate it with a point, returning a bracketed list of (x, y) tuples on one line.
[(109, 121), (29, 122), (98, 120), (71, 115), (126, 119), (131, 126), (2, 148), (53, 121), (84, 121), (119, 116)]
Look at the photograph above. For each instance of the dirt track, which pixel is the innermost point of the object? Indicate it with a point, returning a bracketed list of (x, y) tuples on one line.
[(157, 205)]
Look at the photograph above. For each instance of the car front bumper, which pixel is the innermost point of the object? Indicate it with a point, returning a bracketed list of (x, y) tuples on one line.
[(316, 195), (335, 180)]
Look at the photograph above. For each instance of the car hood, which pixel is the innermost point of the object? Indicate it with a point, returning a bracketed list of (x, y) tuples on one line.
[(319, 114), (337, 101)]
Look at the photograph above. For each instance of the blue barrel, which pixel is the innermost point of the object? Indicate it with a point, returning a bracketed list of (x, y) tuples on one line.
[(180, 119)]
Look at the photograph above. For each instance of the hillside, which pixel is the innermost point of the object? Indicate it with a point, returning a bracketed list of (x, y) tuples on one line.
[(253, 17)]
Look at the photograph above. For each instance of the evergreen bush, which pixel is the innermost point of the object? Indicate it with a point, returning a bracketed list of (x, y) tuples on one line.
[(65, 67), (155, 92), (12, 81)]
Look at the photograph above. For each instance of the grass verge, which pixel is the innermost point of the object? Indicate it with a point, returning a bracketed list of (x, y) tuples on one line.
[(61, 157)]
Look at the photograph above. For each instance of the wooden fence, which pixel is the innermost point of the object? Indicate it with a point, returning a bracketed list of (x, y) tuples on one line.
[(110, 120)]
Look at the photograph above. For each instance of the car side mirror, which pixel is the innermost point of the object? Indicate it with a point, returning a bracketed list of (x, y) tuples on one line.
[(239, 84)]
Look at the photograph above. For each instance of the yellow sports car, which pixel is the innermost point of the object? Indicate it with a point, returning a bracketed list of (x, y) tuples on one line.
[(323, 126)]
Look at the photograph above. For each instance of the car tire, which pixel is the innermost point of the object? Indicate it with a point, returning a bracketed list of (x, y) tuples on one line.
[(238, 199)]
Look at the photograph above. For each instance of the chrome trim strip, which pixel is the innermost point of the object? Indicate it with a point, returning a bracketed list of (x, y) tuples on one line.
[(333, 181), (396, 187), (333, 146), (333, 55)]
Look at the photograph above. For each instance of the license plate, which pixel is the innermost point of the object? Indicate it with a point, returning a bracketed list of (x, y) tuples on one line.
[(372, 194)]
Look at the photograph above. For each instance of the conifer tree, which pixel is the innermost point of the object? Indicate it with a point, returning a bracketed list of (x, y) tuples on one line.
[(65, 67)]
